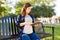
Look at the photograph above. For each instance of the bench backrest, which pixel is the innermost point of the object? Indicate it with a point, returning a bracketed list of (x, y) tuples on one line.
[(7, 26)]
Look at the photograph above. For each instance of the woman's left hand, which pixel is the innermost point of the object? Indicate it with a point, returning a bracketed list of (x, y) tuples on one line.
[(36, 24)]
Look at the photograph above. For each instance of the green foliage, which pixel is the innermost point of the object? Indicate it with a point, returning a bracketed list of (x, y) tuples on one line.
[(18, 8), (4, 10), (37, 11), (43, 11), (30, 1), (35, 1)]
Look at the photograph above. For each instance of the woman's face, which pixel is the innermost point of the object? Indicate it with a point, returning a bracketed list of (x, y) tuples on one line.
[(28, 10)]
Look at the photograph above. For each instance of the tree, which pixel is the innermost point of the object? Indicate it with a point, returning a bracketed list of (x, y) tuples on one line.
[(43, 11), (18, 7), (30, 1), (5, 9), (1, 9), (35, 1)]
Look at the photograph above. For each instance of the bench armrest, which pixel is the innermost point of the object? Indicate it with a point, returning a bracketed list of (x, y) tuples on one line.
[(52, 30)]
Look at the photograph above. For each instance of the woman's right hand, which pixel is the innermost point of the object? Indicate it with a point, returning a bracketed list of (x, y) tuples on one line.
[(22, 24)]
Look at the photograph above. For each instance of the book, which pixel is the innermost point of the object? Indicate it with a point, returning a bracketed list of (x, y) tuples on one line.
[(36, 23)]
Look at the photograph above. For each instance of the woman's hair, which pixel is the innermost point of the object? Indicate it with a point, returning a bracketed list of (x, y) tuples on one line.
[(25, 6)]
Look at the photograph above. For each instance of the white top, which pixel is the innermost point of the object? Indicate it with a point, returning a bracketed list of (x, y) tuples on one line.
[(28, 28)]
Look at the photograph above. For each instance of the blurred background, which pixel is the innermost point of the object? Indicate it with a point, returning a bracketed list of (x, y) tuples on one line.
[(46, 11)]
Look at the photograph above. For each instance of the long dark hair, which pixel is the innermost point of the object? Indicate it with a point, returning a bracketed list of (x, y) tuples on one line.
[(25, 6)]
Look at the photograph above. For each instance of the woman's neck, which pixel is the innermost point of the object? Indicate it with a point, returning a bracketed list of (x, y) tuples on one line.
[(26, 14)]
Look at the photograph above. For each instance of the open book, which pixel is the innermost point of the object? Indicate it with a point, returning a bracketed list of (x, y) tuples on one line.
[(36, 23)]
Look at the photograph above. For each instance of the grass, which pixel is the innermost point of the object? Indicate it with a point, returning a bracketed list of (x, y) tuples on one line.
[(56, 32)]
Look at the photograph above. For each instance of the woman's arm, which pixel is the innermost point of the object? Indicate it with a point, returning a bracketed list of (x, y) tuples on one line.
[(19, 23), (22, 24)]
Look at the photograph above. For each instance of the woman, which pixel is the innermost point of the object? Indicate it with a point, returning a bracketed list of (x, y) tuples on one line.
[(24, 21)]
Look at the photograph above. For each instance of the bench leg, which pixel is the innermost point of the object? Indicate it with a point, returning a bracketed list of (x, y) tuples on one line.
[(52, 33)]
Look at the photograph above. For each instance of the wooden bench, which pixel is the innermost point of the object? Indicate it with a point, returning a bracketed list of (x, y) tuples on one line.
[(8, 30)]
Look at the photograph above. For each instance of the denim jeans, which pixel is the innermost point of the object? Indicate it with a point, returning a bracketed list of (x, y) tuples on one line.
[(32, 36)]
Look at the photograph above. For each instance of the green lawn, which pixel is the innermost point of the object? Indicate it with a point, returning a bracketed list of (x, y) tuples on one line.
[(56, 32)]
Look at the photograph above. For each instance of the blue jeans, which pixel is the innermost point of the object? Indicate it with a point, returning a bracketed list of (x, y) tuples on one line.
[(32, 36)]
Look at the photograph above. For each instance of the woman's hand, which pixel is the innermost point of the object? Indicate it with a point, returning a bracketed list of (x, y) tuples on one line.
[(25, 23), (22, 24), (36, 24), (28, 23)]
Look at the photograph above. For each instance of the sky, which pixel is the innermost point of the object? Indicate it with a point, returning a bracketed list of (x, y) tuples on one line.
[(56, 2), (57, 8)]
